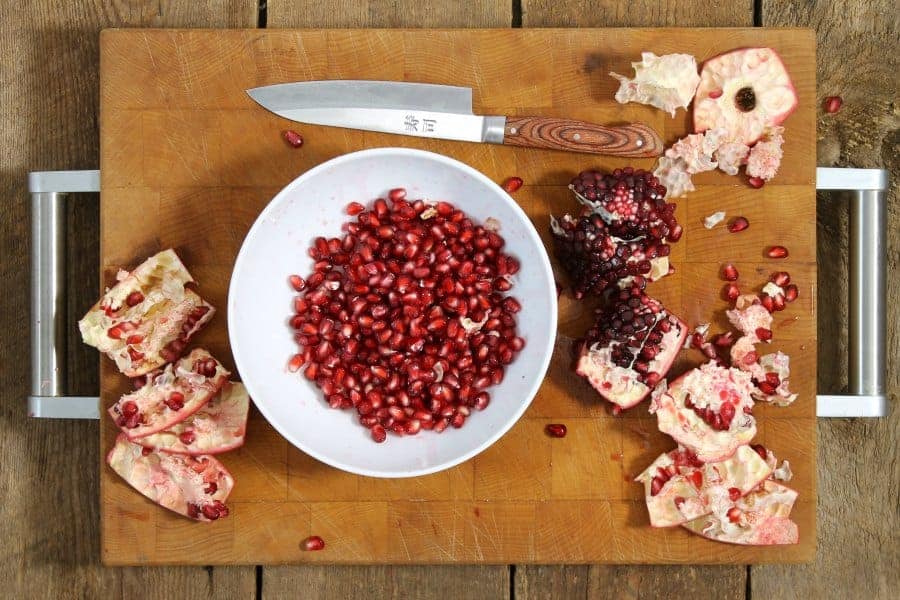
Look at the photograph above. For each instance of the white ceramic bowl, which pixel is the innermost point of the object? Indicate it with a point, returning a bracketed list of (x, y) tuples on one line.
[(260, 304)]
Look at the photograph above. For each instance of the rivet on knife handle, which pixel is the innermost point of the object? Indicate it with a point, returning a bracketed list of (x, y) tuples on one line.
[(635, 140)]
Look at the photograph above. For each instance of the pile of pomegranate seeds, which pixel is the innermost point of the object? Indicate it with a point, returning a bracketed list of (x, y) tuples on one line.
[(405, 317)]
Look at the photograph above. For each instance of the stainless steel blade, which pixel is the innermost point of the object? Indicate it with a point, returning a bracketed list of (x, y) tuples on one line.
[(418, 109), (364, 94)]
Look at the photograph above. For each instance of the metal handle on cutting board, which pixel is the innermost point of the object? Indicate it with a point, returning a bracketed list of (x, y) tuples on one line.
[(48, 295), (866, 396)]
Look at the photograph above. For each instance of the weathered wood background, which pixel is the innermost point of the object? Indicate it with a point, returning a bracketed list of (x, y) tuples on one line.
[(48, 470)]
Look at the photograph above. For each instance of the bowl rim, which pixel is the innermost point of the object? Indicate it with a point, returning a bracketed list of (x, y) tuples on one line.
[(540, 373)]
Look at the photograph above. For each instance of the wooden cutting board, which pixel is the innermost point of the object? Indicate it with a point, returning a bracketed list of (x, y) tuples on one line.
[(188, 161)]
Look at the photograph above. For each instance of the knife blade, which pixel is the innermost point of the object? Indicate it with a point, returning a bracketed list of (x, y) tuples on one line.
[(445, 112)]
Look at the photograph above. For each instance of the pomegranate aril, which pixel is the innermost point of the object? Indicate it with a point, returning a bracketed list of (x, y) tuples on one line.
[(512, 184), (778, 302), (134, 298), (832, 104), (730, 272), (557, 430), (292, 137), (378, 433), (764, 334), (777, 252), (738, 224), (756, 182), (780, 278), (790, 293), (313, 543), (732, 292)]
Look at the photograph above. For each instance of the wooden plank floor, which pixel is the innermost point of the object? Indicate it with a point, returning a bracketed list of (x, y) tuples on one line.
[(48, 470)]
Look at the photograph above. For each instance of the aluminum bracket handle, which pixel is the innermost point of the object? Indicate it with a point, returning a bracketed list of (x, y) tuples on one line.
[(48, 295), (867, 318)]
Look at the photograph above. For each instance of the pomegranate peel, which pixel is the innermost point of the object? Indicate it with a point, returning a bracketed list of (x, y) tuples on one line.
[(170, 396), (707, 410), (744, 91), (193, 486), (666, 82), (148, 317), (217, 427), (760, 518), (679, 487)]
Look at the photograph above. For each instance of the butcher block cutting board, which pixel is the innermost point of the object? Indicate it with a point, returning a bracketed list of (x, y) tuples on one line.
[(188, 161)]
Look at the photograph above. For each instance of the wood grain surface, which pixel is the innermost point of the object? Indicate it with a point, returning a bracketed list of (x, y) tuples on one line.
[(180, 139), (56, 556)]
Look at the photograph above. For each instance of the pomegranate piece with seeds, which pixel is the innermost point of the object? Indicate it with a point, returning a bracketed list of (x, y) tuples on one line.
[(193, 486), (406, 318), (169, 396), (679, 487), (630, 201), (760, 518), (217, 427), (630, 348), (148, 317), (708, 410), (597, 261), (744, 91)]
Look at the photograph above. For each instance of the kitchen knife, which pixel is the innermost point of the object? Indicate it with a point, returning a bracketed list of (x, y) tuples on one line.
[(443, 111)]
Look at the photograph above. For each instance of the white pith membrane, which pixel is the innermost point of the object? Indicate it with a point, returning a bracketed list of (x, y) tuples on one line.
[(220, 425), (760, 518), (666, 82), (722, 79), (681, 499), (160, 318), (174, 481), (765, 155), (714, 219), (180, 377), (709, 386), (694, 153)]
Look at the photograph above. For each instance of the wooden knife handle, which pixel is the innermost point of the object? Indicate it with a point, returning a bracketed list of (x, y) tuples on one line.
[(634, 140)]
